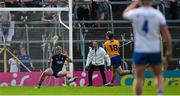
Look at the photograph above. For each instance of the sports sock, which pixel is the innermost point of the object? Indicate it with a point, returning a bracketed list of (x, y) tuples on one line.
[(39, 84), (69, 78), (160, 92)]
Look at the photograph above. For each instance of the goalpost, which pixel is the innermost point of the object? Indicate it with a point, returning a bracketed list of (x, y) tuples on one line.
[(57, 9)]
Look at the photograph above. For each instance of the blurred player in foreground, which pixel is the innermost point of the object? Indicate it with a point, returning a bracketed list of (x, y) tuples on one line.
[(147, 24), (112, 46), (56, 68)]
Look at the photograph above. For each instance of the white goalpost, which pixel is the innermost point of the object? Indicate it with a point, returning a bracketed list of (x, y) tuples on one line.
[(58, 10)]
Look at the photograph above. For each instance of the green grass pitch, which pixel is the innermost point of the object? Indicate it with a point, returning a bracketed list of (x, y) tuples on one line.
[(67, 90)]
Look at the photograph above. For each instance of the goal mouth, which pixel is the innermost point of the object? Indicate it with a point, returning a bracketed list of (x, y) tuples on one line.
[(46, 39)]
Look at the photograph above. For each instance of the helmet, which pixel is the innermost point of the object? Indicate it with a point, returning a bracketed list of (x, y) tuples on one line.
[(58, 48), (109, 34)]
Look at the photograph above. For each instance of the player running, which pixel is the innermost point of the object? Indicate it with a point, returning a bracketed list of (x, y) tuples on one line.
[(112, 46), (56, 68), (147, 23)]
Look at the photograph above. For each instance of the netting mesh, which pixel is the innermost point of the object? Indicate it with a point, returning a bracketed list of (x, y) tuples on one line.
[(34, 32)]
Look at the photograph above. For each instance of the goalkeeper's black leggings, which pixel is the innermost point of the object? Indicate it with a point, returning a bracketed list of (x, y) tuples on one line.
[(92, 69)]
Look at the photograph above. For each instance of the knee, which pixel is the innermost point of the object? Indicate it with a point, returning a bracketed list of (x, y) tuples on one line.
[(158, 74), (45, 73), (67, 73)]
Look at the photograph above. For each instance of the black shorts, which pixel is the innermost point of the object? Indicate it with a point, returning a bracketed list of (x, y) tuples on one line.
[(56, 71)]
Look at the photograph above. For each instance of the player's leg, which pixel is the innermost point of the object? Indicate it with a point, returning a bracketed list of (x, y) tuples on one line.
[(47, 72), (63, 73), (90, 72), (114, 73), (67, 74), (138, 81), (101, 68), (118, 63), (122, 72), (157, 68), (140, 61), (159, 81), (113, 76)]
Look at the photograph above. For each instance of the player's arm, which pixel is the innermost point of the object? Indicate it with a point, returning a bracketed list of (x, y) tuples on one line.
[(65, 54), (68, 59), (167, 38), (50, 61), (106, 57), (89, 58), (133, 5)]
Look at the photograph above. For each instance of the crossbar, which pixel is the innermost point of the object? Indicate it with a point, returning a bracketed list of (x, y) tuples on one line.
[(35, 9)]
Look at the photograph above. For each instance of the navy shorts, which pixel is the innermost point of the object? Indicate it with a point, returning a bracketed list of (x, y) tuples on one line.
[(147, 58), (116, 61), (56, 71)]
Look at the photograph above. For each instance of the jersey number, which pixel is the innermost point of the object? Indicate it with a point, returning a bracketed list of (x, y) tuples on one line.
[(145, 27), (113, 47)]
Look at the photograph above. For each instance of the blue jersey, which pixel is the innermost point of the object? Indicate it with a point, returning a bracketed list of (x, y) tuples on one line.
[(25, 59), (57, 63)]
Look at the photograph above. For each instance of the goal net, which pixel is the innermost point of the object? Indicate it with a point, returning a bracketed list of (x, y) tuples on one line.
[(36, 32)]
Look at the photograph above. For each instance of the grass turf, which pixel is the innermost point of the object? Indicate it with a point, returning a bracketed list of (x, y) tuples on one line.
[(116, 90)]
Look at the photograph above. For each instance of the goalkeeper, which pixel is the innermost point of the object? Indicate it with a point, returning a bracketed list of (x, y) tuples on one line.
[(57, 61)]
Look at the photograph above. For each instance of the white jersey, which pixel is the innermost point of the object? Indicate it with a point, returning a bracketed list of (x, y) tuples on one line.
[(146, 25), (13, 65), (98, 57)]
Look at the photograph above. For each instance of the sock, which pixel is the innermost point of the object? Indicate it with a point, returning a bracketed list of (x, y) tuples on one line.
[(69, 78), (160, 92), (39, 84)]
